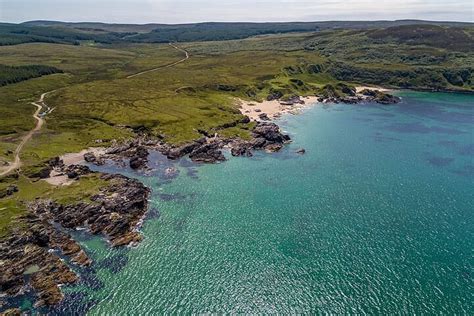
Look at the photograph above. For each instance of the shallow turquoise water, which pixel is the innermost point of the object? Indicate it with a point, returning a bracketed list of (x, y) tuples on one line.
[(376, 218)]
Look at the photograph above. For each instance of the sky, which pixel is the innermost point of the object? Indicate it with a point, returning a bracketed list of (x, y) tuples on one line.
[(187, 11)]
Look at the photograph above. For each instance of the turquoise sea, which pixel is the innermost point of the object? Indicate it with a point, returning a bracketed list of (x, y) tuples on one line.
[(377, 217)]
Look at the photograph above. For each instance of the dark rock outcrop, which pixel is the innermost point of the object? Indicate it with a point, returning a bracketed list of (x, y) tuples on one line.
[(181, 151), (56, 163), (380, 97), (245, 120), (270, 132), (74, 171), (386, 98), (43, 173), (140, 158), (265, 135), (274, 95), (342, 93), (10, 190), (206, 150), (241, 148), (25, 255), (274, 147), (92, 158), (114, 212), (208, 153), (264, 117), (292, 100)]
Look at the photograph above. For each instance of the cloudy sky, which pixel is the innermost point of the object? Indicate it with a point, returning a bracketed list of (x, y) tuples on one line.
[(182, 11)]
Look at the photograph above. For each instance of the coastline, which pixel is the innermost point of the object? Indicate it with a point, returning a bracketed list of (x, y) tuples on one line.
[(273, 109), (269, 110)]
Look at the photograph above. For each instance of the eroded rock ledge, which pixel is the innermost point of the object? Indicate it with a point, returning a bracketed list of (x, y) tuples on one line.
[(31, 258), (264, 136)]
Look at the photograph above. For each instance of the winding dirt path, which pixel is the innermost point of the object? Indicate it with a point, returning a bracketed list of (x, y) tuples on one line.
[(39, 123), (16, 164), (165, 66)]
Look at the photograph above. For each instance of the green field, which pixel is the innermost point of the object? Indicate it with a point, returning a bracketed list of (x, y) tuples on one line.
[(94, 100)]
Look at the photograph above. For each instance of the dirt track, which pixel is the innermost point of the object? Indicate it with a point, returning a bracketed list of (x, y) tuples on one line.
[(39, 123), (165, 66)]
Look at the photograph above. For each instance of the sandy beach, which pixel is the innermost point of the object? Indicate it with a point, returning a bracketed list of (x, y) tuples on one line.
[(61, 179), (78, 158), (360, 88), (273, 109)]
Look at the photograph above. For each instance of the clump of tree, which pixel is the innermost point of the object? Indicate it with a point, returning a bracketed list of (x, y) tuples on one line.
[(14, 74)]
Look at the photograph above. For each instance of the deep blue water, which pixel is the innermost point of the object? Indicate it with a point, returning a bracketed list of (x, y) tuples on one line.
[(377, 217)]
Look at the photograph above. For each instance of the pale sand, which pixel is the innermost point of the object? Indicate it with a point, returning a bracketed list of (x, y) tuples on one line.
[(77, 158), (273, 109), (376, 88), (60, 179)]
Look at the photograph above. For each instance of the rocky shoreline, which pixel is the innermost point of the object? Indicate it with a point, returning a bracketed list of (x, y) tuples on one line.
[(264, 136), (39, 255), (276, 104), (352, 96)]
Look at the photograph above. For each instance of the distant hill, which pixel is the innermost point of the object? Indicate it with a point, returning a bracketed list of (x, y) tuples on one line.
[(74, 33), (455, 38), (101, 27), (12, 34)]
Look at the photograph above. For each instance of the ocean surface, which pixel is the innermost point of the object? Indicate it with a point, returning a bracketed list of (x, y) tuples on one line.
[(377, 217)]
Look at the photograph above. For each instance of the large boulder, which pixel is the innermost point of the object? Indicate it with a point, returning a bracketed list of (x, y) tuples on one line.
[(207, 153), (270, 132)]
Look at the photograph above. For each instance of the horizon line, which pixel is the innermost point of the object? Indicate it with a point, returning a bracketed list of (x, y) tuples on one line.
[(238, 21)]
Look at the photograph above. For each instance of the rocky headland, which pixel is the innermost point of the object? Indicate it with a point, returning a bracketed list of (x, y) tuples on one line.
[(38, 256)]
